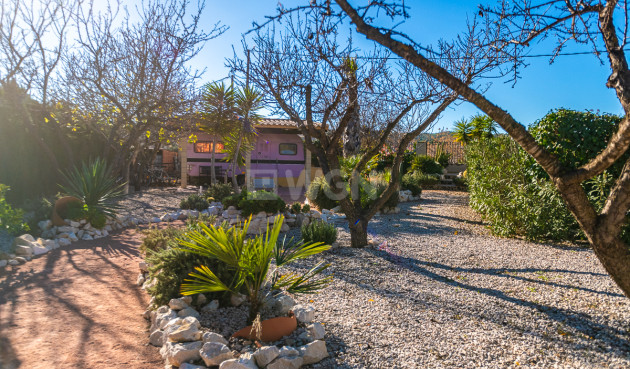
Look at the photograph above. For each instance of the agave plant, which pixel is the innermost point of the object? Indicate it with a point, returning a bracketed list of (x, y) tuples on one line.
[(251, 259), (95, 185)]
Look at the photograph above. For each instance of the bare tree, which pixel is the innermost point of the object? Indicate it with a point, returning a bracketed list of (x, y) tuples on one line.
[(130, 79), (598, 24), (334, 91), (33, 42)]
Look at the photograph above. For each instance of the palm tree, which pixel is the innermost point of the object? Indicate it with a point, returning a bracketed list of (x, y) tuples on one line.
[(463, 131), (483, 127), (241, 140), (219, 115)]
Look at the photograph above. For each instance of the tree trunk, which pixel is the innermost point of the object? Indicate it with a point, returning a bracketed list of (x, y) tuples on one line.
[(358, 233), (213, 176), (235, 164)]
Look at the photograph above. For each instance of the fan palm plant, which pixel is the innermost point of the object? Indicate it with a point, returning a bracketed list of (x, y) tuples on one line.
[(95, 184), (250, 259), (463, 131)]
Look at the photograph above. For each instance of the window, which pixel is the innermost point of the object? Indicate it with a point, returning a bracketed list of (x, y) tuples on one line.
[(205, 147), (288, 149)]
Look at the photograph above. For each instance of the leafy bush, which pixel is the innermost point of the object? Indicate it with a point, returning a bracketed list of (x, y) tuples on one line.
[(319, 194), (296, 208), (219, 191), (231, 200), (95, 184), (442, 158), (412, 182), (255, 202), (379, 187), (194, 202), (160, 239), (318, 231), (171, 266), (73, 210), (11, 219), (426, 164), (514, 193), (251, 259), (306, 208)]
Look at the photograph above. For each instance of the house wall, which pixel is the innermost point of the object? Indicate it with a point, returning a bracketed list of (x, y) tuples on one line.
[(266, 159)]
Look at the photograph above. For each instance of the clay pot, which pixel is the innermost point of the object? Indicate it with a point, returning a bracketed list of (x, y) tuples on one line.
[(272, 329), (60, 206)]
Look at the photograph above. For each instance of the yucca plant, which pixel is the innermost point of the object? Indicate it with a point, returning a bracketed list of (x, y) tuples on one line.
[(95, 184), (250, 259)]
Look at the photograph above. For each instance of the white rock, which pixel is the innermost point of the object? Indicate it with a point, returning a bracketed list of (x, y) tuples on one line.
[(212, 306), (87, 237), (237, 299), (283, 304), (242, 362), (188, 311), (183, 330), (3, 263), (316, 331), (65, 229), (157, 338), (314, 352), (63, 235), (155, 220), (73, 237), (165, 218), (265, 355), (177, 304), (178, 353), (39, 249), (214, 337), (45, 225), (285, 228), (24, 250), (144, 267), (289, 362), (104, 233), (163, 318), (140, 280), (74, 224), (288, 351), (316, 214), (108, 228), (64, 241), (14, 262), (214, 353), (201, 299), (304, 314)]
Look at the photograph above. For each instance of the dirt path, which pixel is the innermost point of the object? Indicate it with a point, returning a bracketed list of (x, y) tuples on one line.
[(77, 307)]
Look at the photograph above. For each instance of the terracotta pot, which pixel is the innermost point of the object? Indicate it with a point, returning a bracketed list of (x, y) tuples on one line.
[(60, 206), (272, 329)]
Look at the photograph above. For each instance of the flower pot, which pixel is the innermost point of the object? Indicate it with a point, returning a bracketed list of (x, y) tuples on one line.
[(60, 206), (272, 329)]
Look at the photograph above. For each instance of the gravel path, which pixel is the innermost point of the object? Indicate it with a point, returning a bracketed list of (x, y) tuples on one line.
[(77, 307), (445, 294)]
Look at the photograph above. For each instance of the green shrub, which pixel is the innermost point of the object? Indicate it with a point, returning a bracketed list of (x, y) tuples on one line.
[(73, 210), (412, 182), (255, 202), (231, 200), (219, 191), (194, 202), (306, 208), (426, 164), (318, 231), (169, 267), (442, 158), (319, 193), (379, 187), (506, 189), (11, 220), (296, 208), (514, 193), (160, 239)]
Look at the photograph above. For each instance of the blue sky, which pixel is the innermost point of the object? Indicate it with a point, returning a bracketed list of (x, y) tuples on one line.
[(576, 82)]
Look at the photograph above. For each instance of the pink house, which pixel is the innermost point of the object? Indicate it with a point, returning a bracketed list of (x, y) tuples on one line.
[(279, 158)]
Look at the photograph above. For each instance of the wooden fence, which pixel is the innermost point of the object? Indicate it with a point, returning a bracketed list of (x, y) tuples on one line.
[(432, 148)]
